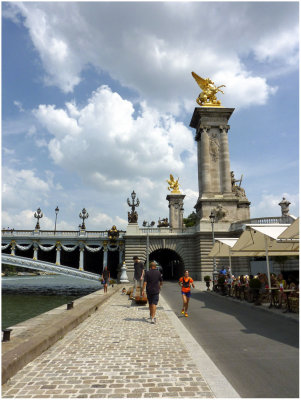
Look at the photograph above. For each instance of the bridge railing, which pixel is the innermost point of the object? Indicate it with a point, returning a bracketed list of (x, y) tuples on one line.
[(262, 220), (72, 234)]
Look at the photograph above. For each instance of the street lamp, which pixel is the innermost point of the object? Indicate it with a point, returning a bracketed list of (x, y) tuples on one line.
[(56, 213), (38, 215), (83, 215), (147, 225), (212, 220)]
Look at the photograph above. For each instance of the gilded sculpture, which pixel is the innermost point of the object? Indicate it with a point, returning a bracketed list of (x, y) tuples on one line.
[(173, 184), (113, 234), (207, 98)]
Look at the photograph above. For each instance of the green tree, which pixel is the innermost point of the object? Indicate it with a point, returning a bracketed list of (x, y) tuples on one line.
[(190, 220)]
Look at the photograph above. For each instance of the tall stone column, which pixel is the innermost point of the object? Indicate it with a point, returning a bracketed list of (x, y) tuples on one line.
[(105, 255), (215, 186), (81, 256), (204, 161), (176, 210), (35, 250), (225, 160), (58, 253)]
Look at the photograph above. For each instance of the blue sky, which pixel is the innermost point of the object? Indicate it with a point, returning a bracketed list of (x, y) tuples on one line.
[(97, 99)]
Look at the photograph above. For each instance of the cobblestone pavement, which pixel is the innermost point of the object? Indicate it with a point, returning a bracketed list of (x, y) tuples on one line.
[(115, 353)]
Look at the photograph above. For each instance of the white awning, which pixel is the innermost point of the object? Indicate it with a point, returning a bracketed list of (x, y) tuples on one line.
[(292, 232), (222, 247), (256, 239)]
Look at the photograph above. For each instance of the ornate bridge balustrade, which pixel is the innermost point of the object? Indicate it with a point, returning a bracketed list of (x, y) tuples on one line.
[(69, 241)]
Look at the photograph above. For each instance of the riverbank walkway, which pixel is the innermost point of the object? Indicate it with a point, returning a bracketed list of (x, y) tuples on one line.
[(118, 353)]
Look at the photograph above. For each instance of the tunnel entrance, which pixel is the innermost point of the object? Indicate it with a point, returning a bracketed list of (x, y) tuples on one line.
[(171, 263)]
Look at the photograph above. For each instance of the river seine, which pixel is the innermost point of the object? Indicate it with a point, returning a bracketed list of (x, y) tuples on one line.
[(25, 297)]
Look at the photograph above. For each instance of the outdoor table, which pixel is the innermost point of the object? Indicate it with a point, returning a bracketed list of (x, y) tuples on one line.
[(272, 298), (287, 292)]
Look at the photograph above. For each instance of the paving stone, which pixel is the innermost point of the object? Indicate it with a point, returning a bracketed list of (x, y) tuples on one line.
[(103, 358)]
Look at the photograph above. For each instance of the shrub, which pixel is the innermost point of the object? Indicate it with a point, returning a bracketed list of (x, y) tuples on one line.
[(207, 278)]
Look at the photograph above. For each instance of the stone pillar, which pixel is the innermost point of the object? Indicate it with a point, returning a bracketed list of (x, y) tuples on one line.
[(176, 210), (105, 255), (204, 162), (81, 256), (215, 186), (35, 250), (121, 253), (225, 160), (13, 248), (58, 253)]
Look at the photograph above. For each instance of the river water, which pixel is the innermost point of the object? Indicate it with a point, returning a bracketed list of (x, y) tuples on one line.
[(25, 297)]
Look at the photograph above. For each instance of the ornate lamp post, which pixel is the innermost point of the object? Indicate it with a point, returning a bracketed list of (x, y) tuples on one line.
[(56, 213), (83, 215), (133, 215), (212, 220), (38, 214), (147, 225)]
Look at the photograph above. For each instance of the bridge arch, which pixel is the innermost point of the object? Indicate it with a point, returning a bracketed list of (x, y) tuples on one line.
[(171, 262)]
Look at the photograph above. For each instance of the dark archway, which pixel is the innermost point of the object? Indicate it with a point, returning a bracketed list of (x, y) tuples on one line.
[(171, 263), (113, 263)]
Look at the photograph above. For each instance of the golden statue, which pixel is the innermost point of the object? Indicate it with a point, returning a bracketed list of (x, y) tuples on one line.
[(173, 185), (208, 96)]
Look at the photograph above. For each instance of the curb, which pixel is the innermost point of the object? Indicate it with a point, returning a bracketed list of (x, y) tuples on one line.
[(30, 344)]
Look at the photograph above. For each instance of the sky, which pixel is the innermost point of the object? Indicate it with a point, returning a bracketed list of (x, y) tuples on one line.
[(97, 99)]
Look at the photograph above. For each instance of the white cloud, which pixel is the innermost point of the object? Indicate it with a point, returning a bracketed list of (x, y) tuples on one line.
[(152, 47), (23, 184), (25, 220), (268, 204), (113, 149), (18, 104)]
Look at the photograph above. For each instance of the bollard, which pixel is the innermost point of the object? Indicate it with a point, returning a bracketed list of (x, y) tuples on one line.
[(70, 305), (6, 334)]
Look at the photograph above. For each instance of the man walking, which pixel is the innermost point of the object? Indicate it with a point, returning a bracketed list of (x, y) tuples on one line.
[(138, 275), (152, 282)]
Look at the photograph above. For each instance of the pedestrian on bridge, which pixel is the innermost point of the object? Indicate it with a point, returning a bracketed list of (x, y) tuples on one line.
[(186, 282), (105, 278), (152, 282)]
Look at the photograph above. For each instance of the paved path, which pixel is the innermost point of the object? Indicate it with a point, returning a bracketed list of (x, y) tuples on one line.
[(117, 352), (257, 349)]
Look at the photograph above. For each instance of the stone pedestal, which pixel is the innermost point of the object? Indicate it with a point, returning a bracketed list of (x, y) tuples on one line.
[(216, 190), (124, 278), (132, 229), (175, 210)]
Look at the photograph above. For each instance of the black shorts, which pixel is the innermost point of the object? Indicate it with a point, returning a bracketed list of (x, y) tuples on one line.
[(153, 298)]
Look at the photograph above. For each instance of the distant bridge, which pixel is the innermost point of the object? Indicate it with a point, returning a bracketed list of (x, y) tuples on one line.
[(44, 266)]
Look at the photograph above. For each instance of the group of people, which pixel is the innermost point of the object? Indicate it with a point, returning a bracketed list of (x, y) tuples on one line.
[(151, 282), (240, 285)]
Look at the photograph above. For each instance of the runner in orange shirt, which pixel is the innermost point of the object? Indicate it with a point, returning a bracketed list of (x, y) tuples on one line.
[(186, 282)]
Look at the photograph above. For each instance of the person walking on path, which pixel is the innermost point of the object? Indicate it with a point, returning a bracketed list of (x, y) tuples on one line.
[(105, 278), (186, 282), (152, 282), (138, 275)]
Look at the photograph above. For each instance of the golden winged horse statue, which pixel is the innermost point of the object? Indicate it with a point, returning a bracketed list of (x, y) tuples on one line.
[(207, 98), (173, 184)]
